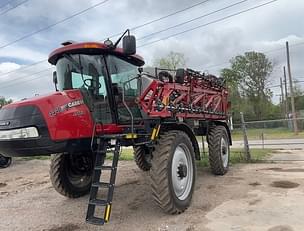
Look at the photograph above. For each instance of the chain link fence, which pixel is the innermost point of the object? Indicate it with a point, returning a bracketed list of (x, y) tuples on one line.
[(273, 134)]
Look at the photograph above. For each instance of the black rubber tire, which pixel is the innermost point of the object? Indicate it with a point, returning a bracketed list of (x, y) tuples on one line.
[(59, 174), (5, 161), (161, 180), (142, 160), (215, 135)]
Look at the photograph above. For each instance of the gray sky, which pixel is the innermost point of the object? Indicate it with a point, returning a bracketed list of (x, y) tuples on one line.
[(208, 48)]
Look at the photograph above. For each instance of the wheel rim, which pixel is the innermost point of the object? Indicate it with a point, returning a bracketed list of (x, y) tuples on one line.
[(5, 161), (182, 172), (224, 152), (79, 174)]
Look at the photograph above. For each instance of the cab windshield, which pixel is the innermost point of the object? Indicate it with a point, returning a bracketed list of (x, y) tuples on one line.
[(80, 71), (89, 74)]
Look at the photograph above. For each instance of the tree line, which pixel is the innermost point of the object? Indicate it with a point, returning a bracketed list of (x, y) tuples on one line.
[(249, 82), (4, 101)]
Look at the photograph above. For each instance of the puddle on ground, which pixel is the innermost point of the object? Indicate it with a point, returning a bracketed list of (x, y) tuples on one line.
[(281, 228), (284, 184), (285, 170), (67, 227), (281, 151), (2, 185), (255, 184), (254, 202), (211, 186), (128, 183)]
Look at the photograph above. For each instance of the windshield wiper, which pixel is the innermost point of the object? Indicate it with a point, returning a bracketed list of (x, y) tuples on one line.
[(73, 61)]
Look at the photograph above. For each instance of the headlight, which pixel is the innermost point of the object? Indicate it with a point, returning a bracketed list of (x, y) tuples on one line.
[(21, 133)]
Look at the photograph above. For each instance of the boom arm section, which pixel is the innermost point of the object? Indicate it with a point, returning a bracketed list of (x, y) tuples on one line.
[(192, 95)]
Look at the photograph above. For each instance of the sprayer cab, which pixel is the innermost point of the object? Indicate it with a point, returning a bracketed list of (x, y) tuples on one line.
[(100, 71), (90, 82)]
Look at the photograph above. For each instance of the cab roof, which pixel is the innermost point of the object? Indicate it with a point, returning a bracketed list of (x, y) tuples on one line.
[(93, 48)]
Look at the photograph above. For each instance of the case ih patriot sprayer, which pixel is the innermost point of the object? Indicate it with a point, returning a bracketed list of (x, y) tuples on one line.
[(103, 101)]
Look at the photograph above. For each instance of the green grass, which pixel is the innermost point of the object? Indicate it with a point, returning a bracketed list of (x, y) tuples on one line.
[(33, 158), (269, 133), (237, 156), (126, 154)]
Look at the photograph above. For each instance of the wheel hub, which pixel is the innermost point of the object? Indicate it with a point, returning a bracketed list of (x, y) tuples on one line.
[(79, 169), (182, 171), (224, 152)]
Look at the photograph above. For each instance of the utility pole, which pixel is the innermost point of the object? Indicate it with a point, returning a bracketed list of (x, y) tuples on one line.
[(282, 98), (246, 144), (286, 93), (293, 109)]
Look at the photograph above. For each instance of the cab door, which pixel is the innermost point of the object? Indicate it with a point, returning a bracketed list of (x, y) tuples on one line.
[(125, 87)]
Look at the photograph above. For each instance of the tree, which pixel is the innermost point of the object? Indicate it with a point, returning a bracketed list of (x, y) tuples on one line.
[(3, 101), (173, 60), (248, 77), (299, 97)]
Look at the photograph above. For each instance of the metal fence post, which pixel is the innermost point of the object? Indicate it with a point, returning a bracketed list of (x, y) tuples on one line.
[(246, 144)]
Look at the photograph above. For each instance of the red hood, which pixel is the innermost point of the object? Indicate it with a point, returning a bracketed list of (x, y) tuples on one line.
[(72, 94), (66, 115)]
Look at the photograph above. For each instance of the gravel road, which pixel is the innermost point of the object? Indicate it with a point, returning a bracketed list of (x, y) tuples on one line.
[(266, 196)]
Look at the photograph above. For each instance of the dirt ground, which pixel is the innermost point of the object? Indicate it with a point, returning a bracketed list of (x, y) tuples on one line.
[(266, 197)]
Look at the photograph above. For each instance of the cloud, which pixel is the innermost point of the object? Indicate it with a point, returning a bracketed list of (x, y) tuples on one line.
[(8, 66), (22, 53), (27, 83), (207, 48)]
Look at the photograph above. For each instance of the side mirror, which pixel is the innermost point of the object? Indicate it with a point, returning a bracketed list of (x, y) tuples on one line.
[(129, 44), (55, 80), (140, 70)]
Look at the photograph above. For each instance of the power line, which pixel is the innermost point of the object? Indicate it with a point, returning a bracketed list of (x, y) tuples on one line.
[(25, 76), (10, 9), (158, 19), (193, 19), (28, 80), (209, 23), (132, 28), (221, 19), (5, 4), (12, 84), (268, 51), (54, 24), (25, 67), (274, 86), (161, 18)]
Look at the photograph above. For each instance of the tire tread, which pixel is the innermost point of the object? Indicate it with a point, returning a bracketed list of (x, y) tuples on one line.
[(159, 170), (139, 157), (214, 144), (58, 180)]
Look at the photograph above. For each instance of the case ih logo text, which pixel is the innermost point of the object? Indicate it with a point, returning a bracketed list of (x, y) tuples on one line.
[(66, 107), (5, 123)]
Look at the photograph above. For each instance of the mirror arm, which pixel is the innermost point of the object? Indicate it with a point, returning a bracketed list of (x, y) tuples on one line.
[(118, 41)]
